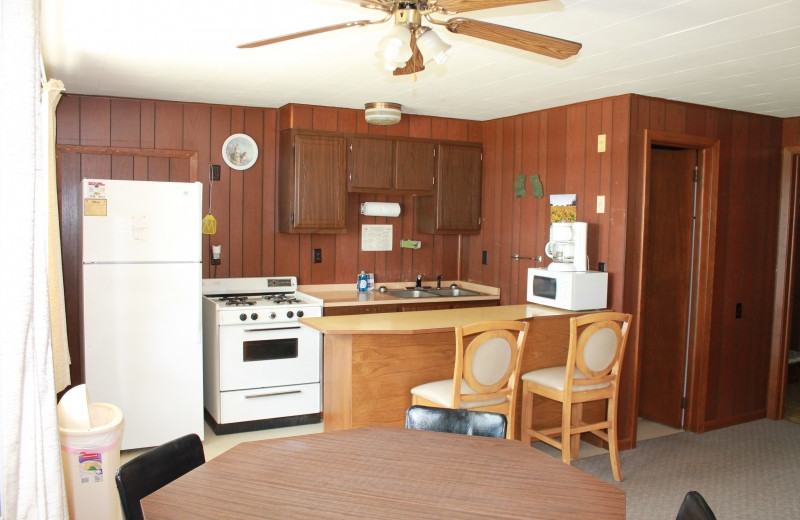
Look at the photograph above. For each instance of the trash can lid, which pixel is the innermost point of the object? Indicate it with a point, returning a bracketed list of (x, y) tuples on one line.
[(73, 409)]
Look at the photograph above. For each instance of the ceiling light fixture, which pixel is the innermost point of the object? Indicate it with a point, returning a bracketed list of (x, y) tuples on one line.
[(431, 46), (409, 44), (381, 113), (395, 48)]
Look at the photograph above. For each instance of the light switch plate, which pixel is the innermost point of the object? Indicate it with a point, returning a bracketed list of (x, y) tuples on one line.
[(601, 203), (601, 143)]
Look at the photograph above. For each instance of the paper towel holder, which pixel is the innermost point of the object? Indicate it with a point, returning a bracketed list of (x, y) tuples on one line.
[(380, 209)]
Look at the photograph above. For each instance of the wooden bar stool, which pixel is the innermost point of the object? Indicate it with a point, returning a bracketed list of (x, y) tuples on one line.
[(596, 349), (488, 357)]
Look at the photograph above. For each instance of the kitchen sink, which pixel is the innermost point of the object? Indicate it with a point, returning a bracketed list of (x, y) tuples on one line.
[(454, 292), (411, 293), (431, 292)]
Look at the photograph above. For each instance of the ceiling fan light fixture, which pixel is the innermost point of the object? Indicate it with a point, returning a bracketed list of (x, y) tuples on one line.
[(396, 46), (382, 113), (431, 46)]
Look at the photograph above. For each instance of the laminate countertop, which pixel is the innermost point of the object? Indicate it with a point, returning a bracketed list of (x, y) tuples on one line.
[(346, 295), (428, 321)]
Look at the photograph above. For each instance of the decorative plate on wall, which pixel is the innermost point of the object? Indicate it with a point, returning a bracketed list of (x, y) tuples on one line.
[(239, 151)]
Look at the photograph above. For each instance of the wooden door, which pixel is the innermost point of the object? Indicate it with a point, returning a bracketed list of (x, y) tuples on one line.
[(666, 284)]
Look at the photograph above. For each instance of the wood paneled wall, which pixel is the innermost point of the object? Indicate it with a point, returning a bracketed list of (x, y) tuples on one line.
[(243, 202), (341, 254), (746, 245), (559, 144)]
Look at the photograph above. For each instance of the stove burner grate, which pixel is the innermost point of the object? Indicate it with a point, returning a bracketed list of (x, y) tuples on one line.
[(237, 300)]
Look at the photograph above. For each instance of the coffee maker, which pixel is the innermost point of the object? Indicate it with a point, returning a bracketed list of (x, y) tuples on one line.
[(567, 246)]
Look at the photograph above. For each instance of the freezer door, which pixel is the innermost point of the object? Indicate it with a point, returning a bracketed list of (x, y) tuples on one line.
[(141, 221), (143, 347)]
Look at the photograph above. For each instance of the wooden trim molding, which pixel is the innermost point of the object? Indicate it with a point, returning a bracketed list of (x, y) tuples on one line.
[(191, 155), (703, 276), (784, 281)]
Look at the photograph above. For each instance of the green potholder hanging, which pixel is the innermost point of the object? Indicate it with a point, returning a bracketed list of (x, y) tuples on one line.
[(536, 186), (519, 186)]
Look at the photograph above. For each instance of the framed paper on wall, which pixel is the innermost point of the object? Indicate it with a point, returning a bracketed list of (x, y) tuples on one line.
[(239, 151)]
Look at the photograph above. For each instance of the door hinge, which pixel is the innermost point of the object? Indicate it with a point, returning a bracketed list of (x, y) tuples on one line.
[(684, 403), (697, 174)]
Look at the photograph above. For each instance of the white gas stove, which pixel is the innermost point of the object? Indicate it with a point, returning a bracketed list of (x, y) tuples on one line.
[(262, 368)]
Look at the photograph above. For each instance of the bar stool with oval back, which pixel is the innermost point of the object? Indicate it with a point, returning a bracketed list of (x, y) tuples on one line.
[(596, 349), (486, 373)]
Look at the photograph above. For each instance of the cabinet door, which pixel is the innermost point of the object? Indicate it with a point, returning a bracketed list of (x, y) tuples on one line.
[(455, 206), (369, 164), (414, 166), (313, 184)]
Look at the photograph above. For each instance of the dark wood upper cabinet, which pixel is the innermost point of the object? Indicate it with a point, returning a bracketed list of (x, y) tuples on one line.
[(455, 206), (370, 164), (396, 166), (312, 182)]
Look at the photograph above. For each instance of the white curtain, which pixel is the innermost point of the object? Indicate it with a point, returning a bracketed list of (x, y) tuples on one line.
[(32, 478)]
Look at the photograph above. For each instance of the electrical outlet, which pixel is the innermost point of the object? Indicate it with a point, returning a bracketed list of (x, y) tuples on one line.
[(317, 255), (601, 266), (214, 175), (485, 257)]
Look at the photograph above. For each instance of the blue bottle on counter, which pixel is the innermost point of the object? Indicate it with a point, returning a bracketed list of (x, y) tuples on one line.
[(361, 285)]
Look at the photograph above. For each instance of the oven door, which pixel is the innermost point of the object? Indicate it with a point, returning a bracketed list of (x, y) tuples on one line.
[(259, 356)]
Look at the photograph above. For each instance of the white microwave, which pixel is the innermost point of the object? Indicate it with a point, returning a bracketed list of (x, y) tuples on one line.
[(570, 290)]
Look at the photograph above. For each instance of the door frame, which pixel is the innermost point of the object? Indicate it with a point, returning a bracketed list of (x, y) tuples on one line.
[(784, 280), (703, 276)]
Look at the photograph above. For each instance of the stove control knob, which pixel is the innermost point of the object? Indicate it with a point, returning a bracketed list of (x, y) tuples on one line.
[(243, 317), (300, 314), (272, 315), (254, 316), (289, 314)]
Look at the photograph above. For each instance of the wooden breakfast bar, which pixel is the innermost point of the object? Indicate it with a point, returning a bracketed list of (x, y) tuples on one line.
[(372, 361)]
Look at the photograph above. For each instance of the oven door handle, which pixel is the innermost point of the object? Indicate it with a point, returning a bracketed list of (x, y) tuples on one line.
[(271, 329), (270, 394)]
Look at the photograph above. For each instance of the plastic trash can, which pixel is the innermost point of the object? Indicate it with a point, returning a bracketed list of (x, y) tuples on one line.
[(91, 436)]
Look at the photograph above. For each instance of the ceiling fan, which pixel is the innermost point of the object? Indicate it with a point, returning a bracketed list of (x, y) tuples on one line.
[(402, 49)]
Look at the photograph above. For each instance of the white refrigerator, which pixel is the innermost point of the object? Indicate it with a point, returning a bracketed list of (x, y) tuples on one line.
[(142, 330)]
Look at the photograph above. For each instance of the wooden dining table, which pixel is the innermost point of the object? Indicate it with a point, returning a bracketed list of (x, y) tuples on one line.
[(384, 472)]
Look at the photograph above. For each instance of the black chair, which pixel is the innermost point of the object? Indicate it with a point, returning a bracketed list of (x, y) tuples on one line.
[(694, 507), (155, 469), (448, 420)]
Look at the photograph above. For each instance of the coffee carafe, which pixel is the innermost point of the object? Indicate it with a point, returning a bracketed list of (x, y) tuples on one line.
[(567, 246)]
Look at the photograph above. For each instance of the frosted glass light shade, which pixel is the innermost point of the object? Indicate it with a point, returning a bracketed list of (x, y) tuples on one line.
[(431, 46), (395, 48), (380, 113)]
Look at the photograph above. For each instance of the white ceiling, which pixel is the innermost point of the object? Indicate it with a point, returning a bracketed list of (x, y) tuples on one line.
[(735, 54)]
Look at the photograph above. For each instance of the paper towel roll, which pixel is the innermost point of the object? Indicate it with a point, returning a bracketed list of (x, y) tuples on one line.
[(380, 209)]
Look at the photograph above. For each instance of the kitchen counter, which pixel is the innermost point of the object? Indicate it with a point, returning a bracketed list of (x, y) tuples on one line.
[(426, 321), (371, 362), (346, 295)]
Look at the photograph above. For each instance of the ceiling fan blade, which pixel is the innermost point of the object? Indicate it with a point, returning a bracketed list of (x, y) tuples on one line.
[(527, 41), (462, 6), (300, 34)]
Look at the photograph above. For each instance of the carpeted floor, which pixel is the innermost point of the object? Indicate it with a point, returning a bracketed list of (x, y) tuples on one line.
[(748, 471)]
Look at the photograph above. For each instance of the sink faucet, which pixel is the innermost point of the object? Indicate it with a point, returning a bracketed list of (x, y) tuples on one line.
[(419, 281), (439, 282)]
